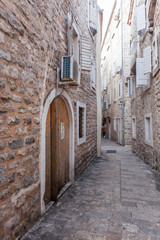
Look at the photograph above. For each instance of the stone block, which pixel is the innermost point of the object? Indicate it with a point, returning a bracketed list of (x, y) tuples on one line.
[(27, 160), (15, 143), (21, 109), (27, 120), (5, 55), (13, 121), (3, 176), (1, 37), (11, 223), (1, 145), (4, 193), (17, 98), (11, 177), (4, 132), (14, 165), (2, 82), (27, 181), (29, 140)]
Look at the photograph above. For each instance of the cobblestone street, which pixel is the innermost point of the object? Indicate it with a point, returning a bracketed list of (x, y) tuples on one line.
[(116, 198)]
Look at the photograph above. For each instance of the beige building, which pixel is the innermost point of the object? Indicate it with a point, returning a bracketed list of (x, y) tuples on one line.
[(48, 109), (115, 72), (144, 19)]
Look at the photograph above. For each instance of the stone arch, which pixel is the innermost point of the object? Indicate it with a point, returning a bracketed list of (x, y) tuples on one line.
[(68, 103)]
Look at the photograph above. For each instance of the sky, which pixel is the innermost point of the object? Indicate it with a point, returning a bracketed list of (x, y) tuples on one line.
[(107, 5)]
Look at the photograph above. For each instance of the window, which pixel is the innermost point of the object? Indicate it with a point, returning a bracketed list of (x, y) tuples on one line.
[(93, 15), (131, 87), (114, 94), (141, 79), (133, 127), (93, 75), (119, 90), (148, 129), (155, 53), (81, 123), (141, 17), (115, 125), (109, 98)]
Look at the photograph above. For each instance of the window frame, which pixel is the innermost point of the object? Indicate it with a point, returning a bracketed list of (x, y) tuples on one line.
[(83, 139), (134, 133), (148, 141)]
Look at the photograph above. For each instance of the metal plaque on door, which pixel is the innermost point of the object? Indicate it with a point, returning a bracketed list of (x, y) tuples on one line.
[(62, 131)]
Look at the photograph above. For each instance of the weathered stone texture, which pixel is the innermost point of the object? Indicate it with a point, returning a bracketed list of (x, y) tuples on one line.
[(146, 101), (33, 39)]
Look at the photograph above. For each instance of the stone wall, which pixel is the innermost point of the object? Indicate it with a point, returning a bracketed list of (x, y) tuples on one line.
[(146, 100), (33, 38), (115, 43)]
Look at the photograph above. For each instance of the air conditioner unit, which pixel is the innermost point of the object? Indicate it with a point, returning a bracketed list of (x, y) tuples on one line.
[(105, 105), (118, 69), (70, 71), (127, 79)]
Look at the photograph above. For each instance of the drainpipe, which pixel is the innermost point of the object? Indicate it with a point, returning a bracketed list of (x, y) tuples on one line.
[(98, 83), (122, 73)]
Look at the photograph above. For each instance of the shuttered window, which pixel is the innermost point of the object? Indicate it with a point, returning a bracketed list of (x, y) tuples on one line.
[(93, 75), (141, 18), (155, 50), (81, 123), (147, 60), (114, 94), (141, 79), (93, 15), (115, 125), (148, 129), (85, 54), (109, 98)]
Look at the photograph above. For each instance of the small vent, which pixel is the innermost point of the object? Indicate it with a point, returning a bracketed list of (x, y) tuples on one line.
[(66, 67), (111, 151)]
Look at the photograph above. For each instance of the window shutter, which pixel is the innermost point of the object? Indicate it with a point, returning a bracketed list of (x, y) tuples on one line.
[(93, 76), (93, 16), (141, 79), (141, 19), (147, 60), (155, 49), (85, 54)]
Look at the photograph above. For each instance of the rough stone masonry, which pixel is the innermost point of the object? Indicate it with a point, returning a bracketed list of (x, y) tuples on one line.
[(33, 39)]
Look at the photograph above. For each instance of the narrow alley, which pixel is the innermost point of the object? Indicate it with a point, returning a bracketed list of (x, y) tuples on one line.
[(115, 198)]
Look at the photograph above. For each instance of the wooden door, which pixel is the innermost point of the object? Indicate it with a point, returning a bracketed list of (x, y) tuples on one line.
[(57, 149)]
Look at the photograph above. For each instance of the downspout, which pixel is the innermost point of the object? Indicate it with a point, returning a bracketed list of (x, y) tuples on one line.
[(123, 142), (98, 83)]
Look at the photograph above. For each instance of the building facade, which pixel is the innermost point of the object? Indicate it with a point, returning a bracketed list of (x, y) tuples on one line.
[(115, 70), (144, 18), (48, 110)]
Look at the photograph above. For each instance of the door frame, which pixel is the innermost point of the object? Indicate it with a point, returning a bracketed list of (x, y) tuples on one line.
[(46, 106)]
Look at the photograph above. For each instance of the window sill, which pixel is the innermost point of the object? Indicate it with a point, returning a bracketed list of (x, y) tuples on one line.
[(148, 143), (81, 141)]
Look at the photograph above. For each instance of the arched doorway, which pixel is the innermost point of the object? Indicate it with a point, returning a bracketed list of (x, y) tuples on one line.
[(57, 149)]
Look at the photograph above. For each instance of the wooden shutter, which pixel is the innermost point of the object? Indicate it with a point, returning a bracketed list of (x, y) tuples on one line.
[(147, 59), (141, 19), (155, 52), (93, 16), (141, 79), (93, 75), (85, 54)]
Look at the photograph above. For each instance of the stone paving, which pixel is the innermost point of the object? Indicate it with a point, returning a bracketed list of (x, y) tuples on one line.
[(116, 198)]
